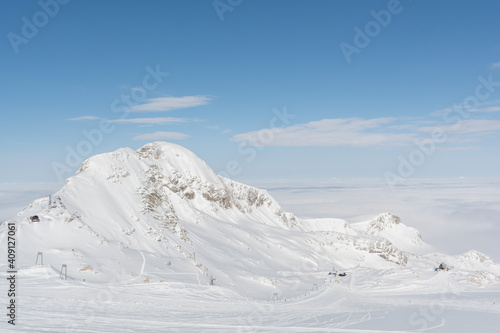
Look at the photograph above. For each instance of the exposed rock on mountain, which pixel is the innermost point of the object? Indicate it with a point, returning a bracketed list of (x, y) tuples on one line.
[(170, 217)]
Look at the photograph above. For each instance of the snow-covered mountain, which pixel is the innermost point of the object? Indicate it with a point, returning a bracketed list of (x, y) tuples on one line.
[(161, 214)]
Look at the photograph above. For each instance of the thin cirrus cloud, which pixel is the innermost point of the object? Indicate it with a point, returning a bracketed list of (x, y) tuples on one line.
[(170, 103), (476, 127), (152, 121), (84, 118), (460, 109), (161, 136), (353, 132), (482, 108), (488, 109), (140, 121), (496, 65)]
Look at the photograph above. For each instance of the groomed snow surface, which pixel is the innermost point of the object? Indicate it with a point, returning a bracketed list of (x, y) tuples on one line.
[(47, 304), (155, 241)]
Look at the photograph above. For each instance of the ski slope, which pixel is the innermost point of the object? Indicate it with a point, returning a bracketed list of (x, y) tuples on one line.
[(155, 241)]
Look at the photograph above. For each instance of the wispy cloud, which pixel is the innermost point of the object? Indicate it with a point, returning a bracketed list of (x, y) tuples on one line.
[(488, 109), (150, 121), (466, 127), (161, 136), (459, 148), (331, 132), (217, 128), (496, 65), (84, 118), (378, 132), (140, 121), (488, 106), (170, 103)]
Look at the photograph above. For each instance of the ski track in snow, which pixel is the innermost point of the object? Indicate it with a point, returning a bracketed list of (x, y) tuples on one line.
[(144, 234), (49, 304)]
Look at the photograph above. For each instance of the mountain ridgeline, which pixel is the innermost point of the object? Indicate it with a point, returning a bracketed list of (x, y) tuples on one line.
[(161, 214)]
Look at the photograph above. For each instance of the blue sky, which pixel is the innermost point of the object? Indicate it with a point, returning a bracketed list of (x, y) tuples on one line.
[(258, 89)]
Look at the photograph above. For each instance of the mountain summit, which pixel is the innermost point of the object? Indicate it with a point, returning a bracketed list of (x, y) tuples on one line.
[(161, 214)]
